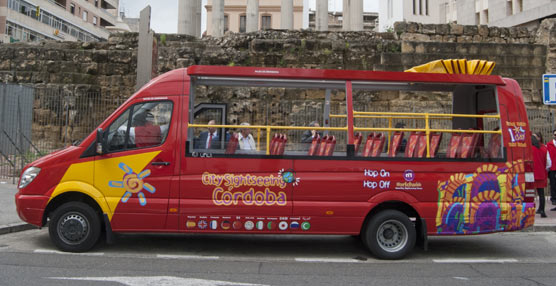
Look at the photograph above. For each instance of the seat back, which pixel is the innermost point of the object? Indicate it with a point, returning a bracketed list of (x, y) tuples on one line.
[(494, 146), (435, 139), (411, 144), (378, 144), (368, 145), (273, 143), (454, 145), (330, 146), (282, 144), (421, 149), (395, 143), (314, 146), (322, 148), (468, 145), (357, 141), (232, 144)]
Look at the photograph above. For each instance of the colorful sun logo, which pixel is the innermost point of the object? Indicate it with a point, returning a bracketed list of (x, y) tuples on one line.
[(133, 184), (289, 177)]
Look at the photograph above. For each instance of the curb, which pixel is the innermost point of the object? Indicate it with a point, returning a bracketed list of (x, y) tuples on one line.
[(16, 227)]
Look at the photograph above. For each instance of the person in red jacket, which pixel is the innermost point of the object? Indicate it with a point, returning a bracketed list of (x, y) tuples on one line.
[(551, 146), (541, 162)]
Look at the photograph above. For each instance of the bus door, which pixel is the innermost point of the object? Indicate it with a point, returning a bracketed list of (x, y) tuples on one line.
[(136, 171)]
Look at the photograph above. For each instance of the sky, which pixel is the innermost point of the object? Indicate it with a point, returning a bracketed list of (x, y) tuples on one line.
[(164, 13)]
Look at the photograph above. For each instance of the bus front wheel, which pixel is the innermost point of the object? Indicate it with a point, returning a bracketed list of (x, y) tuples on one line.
[(74, 227), (389, 234)]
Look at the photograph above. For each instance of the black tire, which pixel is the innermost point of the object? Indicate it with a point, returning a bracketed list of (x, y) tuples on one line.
[(74, 227), (389, 234)]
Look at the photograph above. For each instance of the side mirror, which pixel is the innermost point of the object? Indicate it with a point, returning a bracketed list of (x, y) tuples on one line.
[(100, 144)]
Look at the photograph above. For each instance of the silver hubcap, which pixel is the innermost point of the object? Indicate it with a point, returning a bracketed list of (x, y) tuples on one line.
[(73, 228), (392, 236)]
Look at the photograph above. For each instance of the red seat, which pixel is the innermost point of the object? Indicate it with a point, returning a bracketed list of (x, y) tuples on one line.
[(395, 143), (322, 148), (494, 145), (412, 144), (421, 150), (378, 144), (330, 146), (435, 139), (282, 144), (357, 141), (468, 145), (273, 143), (314, 146), (454, 145), (232, 144), (368, 145)]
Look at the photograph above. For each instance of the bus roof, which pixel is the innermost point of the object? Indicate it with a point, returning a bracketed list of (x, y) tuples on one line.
[(270, 73)]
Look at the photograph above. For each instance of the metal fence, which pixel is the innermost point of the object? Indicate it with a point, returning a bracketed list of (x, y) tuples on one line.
[(37, 121)]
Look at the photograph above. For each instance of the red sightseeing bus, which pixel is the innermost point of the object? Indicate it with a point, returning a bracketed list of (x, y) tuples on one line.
[(194, 152)]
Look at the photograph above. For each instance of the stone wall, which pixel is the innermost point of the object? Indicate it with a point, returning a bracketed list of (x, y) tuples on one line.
[(109, 68)]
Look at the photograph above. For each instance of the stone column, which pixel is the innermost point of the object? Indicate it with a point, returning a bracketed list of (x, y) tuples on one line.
[(189, 17), (356, 15), (252, 19), (321, 19), (144, 49), (346, 25), (217, 18), (286, 15)]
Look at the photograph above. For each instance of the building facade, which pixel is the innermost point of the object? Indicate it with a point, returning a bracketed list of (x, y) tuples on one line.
[(335, 21), (63, 20), (500, 13), (504, 13), (421, 11), (235, 15)]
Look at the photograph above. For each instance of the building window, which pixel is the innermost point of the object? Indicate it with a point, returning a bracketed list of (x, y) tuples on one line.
[(477, 18), (414, 6), (96, 3), (242, 23), (266, 22), (519, 6), (226, 23), (509, 8), (427, 7), (72, 9), (85, 16), (94, 20)]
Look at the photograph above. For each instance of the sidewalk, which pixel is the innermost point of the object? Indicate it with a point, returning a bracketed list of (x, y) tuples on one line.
[(10, 221)]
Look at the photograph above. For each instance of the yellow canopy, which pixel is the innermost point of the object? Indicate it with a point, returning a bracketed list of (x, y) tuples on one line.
[(458, 66)]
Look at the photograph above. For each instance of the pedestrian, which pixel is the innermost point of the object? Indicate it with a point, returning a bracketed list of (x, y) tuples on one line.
[(541, 163), (551, 147)]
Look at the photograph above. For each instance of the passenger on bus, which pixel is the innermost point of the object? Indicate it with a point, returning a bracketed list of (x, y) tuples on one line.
[(246, 141), (308, 135), (208, 139)]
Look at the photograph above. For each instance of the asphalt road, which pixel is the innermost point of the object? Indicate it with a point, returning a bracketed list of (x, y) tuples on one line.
[(520, 258)]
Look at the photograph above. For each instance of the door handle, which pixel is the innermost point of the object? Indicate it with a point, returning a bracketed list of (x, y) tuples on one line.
[(160, 163)]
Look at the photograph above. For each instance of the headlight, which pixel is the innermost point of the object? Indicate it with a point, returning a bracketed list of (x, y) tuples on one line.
[(28, 176)]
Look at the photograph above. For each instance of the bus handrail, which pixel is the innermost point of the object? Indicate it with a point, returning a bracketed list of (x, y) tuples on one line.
[(268, 129)]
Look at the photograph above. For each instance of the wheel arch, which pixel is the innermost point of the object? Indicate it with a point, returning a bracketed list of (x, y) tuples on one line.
[(76, 191)]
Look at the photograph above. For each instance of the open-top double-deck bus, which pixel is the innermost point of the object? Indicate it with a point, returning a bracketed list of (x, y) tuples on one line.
[(458, 165)]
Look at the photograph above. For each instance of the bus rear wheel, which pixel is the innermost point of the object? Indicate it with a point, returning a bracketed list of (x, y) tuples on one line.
[(389, 234), (74, 227)]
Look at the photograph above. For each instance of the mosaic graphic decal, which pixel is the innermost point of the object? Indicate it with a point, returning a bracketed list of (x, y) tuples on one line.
[(490, 199), (133, 184)]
